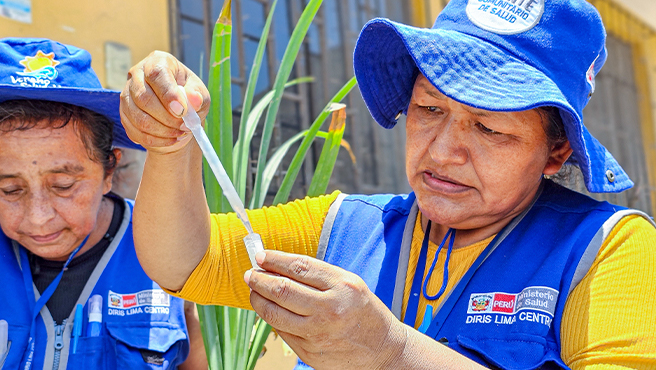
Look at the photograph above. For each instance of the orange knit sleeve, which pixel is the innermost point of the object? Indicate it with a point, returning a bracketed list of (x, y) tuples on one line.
[(294, 227), (609, 320)]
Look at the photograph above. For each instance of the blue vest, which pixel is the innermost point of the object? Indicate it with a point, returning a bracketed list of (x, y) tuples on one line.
[(142, 327), (509, 314)]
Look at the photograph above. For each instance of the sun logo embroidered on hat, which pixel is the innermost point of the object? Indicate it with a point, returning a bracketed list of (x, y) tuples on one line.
[(505, 17), (39, 70)]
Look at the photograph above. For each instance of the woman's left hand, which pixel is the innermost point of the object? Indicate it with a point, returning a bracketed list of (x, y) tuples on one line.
[(326, 314)]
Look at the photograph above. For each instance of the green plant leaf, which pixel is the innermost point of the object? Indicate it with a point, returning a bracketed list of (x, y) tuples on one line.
[(329, 153), (274, 163), (210, 331), (246, 322), (219, 119), (261, 334), (282, 76), (295, 166), (242, 146), (217, 333)]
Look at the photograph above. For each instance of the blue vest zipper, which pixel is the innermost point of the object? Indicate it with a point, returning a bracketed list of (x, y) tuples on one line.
[(59, 344)]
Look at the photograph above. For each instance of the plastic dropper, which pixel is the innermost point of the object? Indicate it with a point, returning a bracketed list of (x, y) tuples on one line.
[(253, 241)]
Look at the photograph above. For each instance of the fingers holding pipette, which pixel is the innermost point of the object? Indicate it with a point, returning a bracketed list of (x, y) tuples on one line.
[(152, 103), (327, 314), (143, 129)]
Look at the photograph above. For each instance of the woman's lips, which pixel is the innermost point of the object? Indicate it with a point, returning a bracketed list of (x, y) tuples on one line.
[(45, 238), (444, 184)]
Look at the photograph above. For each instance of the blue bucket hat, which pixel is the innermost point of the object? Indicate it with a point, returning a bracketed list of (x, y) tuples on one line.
[(497, 55), (42, 69)]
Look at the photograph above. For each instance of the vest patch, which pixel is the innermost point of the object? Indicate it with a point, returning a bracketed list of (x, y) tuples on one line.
[(483, 308), (505, 17), (146, 301), (533, 298)]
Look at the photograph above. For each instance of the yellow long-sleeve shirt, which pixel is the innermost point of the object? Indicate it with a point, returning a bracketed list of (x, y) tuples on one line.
[(609, 320)]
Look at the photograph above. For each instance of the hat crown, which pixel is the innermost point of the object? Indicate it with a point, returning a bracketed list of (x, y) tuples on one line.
[(564, 39), (42, 69), (43, 63), (499, 55)]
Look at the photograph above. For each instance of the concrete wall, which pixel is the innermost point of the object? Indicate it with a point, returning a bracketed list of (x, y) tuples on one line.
[(140, 25)]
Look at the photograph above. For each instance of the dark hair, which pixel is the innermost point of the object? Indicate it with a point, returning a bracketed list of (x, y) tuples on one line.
[(555, 130), (553, 126), (94, 129)]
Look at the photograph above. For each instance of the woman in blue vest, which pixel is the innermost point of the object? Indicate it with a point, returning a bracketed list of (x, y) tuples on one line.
[(486, 263), (74, 294)]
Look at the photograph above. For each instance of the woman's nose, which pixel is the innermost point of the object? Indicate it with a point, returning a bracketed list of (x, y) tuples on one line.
[(449, 145), (39, 208)]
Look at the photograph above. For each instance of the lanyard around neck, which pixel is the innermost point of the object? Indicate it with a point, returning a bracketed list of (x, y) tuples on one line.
[(416, 289), (37, 305), (432, 329), (445, 309)]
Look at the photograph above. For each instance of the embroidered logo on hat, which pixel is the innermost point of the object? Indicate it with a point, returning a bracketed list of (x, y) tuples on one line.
[(39, 70), (505, 17), (43, 69)]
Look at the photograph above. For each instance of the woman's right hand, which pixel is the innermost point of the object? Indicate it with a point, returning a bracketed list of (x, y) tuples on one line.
[(152, 104)]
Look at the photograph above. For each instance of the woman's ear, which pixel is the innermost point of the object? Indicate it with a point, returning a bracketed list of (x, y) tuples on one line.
[(109, 174), (558, 156)]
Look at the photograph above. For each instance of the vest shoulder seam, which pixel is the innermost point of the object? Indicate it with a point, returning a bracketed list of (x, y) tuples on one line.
[(579, 210), (399, 209)]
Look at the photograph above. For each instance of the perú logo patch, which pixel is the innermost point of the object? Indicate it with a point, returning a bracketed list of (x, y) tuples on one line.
[(542, 299), (149, 297), (505, 17)]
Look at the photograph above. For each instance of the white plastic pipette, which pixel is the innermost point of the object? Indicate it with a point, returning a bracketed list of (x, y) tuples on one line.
[(253, 241)]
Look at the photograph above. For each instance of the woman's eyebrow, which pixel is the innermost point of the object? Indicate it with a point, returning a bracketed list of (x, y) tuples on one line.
[(477, 111), (9, 176), (69, 169), (429, 90)]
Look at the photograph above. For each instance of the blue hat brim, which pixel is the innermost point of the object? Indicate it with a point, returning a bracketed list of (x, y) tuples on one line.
[(101, 101), (389, 56)]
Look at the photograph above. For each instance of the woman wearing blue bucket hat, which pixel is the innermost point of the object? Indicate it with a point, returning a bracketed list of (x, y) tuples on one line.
[(487, 262), (74, 294)]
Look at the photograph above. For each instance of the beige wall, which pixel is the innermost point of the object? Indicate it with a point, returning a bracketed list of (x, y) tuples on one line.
[(645, 10), (141, 25)]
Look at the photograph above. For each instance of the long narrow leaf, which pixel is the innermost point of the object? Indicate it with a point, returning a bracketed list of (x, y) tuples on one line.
[(227, 318), (295, 166), (328, 156), (274, 163), (219, 121), (246, 322), (210, 330), (282, 76), (241, 145), (212, 333), (260, 337)]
